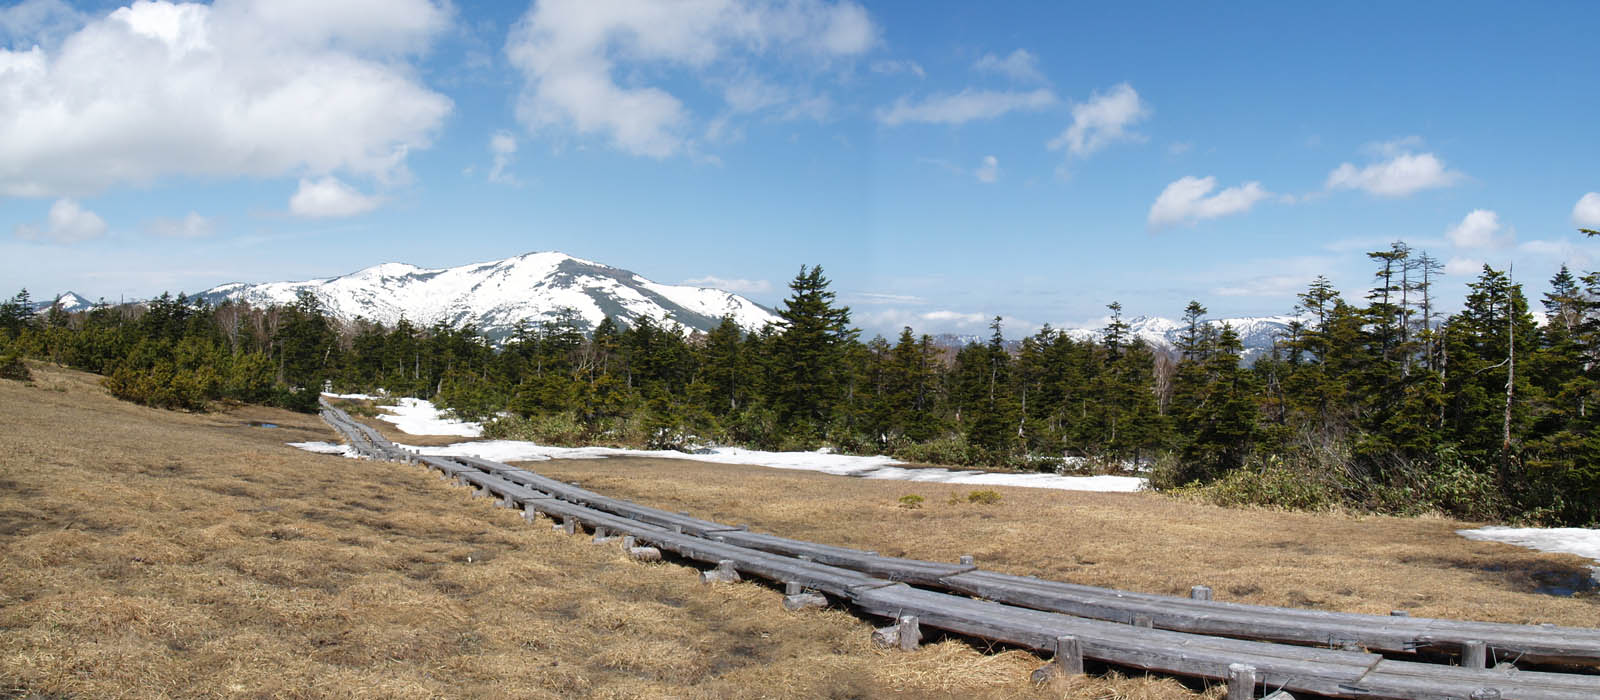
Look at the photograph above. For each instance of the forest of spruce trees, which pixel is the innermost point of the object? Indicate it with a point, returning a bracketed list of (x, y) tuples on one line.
[(1374, 402)]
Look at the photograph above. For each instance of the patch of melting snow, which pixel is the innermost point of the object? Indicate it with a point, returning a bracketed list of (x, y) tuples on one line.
[(1584, 542), (874, 467), (419, 417), (326, 448)]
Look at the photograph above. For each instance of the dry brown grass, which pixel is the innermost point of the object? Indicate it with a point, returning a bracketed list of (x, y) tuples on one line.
[(146, 553), (1138, 541)]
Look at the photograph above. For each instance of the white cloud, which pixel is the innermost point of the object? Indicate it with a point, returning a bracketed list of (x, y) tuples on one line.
[(965, 106), (191, 226), (66, 223), (1465, 267), (569, 50), (954, 317), (891, 67), (1186, 200), (1586, 213), (737, 286), (243, 87), (989, 171), (882, 298), (1403, 174), (1480, 228), (1019, 65), (503, 144), (329, 198), (1103, 120)]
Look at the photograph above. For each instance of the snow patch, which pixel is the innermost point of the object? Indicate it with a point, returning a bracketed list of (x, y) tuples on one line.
[(874, 467), (1583, 542), (420, 417), (327, 448)]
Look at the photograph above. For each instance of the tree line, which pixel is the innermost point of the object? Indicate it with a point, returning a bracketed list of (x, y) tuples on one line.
[(1378, 402)]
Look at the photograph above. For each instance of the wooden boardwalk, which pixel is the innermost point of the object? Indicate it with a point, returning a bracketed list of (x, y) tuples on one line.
[(1331, 654)]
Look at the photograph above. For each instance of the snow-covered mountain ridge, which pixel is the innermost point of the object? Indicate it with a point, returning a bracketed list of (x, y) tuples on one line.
[(495, 295), (1256, 333)]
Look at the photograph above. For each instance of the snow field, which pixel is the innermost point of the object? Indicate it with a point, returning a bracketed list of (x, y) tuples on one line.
[(1583, 542)]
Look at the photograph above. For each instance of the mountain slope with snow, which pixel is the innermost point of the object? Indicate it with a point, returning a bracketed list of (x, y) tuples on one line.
[(70, 302), (495, 295)]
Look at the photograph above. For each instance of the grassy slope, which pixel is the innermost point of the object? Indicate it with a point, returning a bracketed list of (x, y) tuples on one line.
[(147, 553)]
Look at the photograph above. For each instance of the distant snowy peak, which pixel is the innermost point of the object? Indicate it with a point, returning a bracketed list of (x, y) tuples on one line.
[(494, 296), (1256, 333), (68, 303)]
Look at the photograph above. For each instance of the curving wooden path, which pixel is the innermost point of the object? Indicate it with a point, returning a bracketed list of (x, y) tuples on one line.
[(1278, 650)]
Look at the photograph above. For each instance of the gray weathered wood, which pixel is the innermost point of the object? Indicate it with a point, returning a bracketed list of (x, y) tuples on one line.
[(1200, 592), (1241, 682), (1474, 654), (802, 601), (910, 633)]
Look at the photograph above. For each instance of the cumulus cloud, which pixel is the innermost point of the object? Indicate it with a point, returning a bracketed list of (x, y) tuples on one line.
[(1102, 121), (737, 286), (569, 51), (1020, 65), (989, 171), (241, 87), (962, 107), (191, 226), (67, 222), (1480, 228), (1189, 199), (1586, 213), (503, 144), (329, 198), (956, 317), (1402, 174)]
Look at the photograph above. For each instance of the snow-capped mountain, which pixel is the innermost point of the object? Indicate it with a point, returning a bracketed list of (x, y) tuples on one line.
[(1256, 333), (69, 303), (494, 296)]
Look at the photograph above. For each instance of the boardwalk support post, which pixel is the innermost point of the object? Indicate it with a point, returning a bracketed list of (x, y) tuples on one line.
[(910, 637), (1474, 654), (602, 536), (1142, 620), (1200, 592), (529, 513), (637, 553), (724, 573), (968, 560), (1241, 682), (1068, 661)]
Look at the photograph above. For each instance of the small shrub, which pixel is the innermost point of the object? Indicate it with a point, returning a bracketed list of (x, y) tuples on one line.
[(12, 367), (911, 501), (563, 429), (986, 497)]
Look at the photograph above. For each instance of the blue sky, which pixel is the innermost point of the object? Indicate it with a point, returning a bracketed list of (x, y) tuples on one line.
[(945, 162)]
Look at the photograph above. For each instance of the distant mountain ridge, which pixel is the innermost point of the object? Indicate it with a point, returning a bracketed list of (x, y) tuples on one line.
[(495, 295), (1256, 333)]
